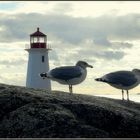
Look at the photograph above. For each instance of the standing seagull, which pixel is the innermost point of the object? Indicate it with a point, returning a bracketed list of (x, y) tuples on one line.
[(124, 80), (68, 75)]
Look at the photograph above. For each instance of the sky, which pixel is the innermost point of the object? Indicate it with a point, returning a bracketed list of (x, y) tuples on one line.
[(106, 34)]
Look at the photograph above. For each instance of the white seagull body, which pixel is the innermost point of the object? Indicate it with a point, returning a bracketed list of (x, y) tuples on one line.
[(124, 80), (68, 75)]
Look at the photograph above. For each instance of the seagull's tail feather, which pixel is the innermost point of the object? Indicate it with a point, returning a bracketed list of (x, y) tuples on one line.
[(101, 80), (43, 75)]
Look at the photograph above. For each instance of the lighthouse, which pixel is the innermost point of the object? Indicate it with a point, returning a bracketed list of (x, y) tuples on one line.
[(38, 61)]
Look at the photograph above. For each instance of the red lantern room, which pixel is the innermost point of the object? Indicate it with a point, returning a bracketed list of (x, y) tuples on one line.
[(38, 39)]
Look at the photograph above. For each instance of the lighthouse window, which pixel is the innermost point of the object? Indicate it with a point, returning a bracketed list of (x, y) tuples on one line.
[(43, 58)]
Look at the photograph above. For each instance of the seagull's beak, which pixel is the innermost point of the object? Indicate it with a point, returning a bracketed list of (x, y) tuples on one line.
[(89, 66)]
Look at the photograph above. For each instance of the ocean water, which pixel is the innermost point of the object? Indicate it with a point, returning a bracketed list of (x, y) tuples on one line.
[(132, 97)]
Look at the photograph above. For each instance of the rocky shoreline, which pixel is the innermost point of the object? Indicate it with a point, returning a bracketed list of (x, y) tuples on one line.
[(30, 113)]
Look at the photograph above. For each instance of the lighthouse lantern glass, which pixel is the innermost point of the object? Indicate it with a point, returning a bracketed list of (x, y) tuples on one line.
[(38, 42), (38, 39)]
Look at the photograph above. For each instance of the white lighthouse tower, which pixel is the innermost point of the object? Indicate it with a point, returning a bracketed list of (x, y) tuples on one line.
[(38, 61)]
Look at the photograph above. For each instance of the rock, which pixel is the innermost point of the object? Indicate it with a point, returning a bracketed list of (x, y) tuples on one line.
[(31, 113)]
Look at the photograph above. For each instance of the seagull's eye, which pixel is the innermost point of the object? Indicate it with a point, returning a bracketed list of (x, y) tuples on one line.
[(84, 63)]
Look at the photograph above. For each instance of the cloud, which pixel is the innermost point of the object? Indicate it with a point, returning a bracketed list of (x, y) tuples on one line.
[(62, 8), (73, 39), (73, 30), (121, 45), (101, 41), (95, 55), (110, 55), (15, 62), (14, 78)]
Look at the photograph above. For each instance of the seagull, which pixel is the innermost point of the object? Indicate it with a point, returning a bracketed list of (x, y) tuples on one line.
[(68, 75), (124, 80)]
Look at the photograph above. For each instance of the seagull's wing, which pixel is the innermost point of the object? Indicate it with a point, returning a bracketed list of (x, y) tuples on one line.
[(66, 73), (124, 78)]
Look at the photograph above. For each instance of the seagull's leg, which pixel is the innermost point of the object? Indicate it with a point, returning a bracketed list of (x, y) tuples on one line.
[(122, 94), (127, 95), (71, 89)]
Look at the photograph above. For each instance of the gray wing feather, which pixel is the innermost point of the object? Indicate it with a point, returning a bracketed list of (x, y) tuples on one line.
[(124, 78), (66, 73)]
